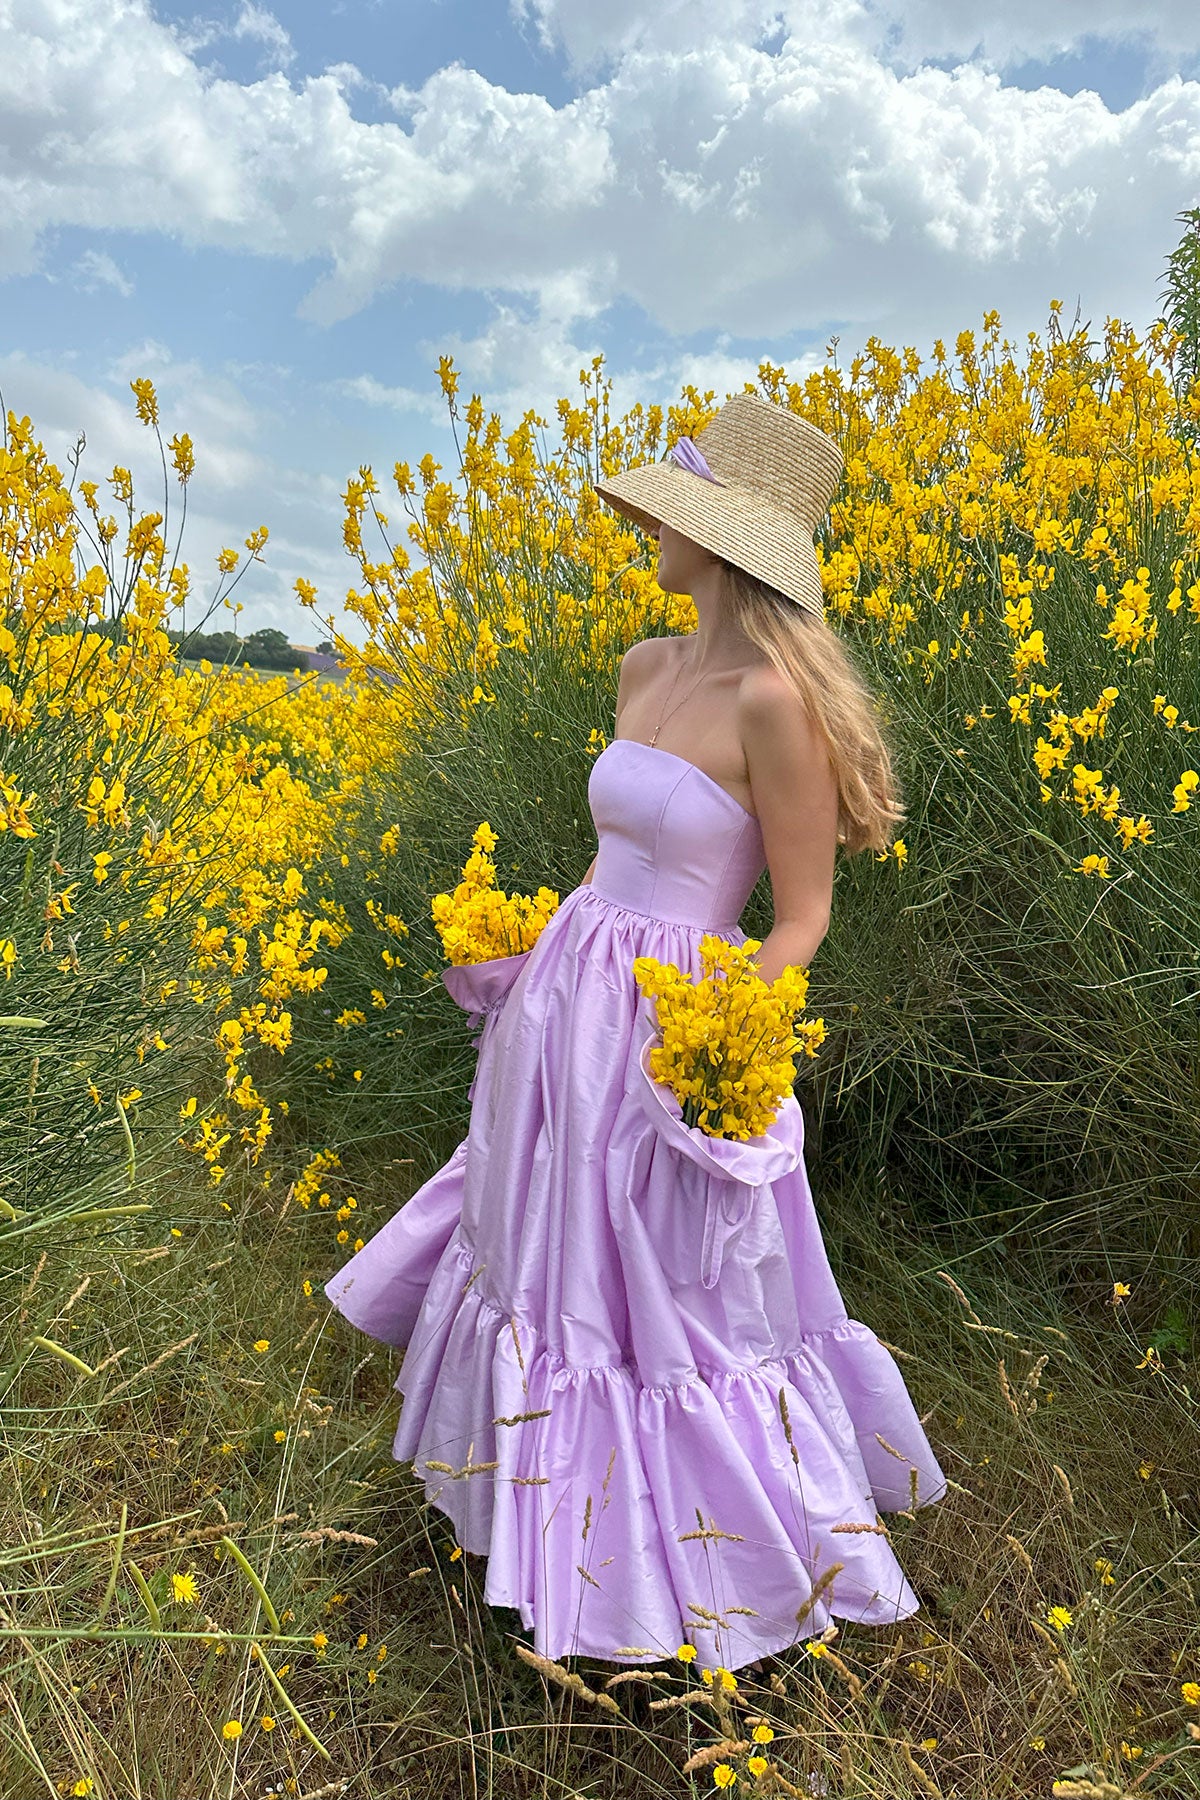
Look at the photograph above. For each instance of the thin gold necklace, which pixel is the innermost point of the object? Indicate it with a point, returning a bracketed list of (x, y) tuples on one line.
[(665, 716)]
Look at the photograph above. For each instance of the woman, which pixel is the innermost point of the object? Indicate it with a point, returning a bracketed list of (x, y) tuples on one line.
[(629, 1377)]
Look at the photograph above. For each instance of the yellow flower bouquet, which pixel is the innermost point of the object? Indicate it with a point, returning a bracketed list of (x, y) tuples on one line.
[(716, 1088), (486, 934), (728, 1040)]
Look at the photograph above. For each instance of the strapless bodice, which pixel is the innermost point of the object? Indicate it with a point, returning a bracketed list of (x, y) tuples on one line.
[(674, 844)]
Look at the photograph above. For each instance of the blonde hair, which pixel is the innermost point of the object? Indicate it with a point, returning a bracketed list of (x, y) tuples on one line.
[(813, 660)]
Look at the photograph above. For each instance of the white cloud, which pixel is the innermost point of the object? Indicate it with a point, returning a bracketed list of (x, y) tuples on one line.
[(734, 177), (93, 270), (904, 33), (257, 23), (757, 190)]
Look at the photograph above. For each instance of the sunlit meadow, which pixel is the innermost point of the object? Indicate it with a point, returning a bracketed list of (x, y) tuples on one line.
[(226, 1056)]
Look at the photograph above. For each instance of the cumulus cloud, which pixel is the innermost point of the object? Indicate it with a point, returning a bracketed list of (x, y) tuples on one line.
[(739, 172), (755, 185), (903, 33)]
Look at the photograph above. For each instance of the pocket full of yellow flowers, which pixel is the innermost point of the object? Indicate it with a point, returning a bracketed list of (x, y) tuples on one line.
[(487, 934), (727, 1043)]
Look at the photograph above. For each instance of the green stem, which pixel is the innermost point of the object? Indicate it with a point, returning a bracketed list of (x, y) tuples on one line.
[(256, 1584)]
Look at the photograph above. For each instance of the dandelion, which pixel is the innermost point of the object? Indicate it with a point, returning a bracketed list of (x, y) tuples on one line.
[(686, 1653), (1060, 1617), (183, 1590)]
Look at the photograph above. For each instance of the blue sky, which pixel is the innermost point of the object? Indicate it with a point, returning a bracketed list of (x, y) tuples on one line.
[(283, 217)]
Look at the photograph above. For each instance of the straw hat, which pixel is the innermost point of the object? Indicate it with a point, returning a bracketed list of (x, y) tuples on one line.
[(752, 487)]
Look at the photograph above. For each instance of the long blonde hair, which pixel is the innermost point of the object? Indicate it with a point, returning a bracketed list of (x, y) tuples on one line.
[(813, 659)]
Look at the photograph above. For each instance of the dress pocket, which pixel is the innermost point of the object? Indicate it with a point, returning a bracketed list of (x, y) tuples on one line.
[(482, 988), (734, 1170)]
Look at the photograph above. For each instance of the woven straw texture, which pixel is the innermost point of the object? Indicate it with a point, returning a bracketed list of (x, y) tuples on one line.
[(778, 476)]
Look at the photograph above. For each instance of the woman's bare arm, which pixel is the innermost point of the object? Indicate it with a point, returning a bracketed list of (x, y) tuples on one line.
[(796, 799)]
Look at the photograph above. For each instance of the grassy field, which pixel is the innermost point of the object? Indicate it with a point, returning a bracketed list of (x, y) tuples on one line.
[(226, 1057)]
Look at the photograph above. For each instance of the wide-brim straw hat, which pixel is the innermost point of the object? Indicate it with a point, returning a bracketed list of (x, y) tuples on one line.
[(771, 478)]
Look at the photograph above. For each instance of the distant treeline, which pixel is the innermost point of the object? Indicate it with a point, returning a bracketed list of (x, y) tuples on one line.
[(263, 649)]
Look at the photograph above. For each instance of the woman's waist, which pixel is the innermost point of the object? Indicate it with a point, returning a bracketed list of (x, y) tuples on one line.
[(664, 908)]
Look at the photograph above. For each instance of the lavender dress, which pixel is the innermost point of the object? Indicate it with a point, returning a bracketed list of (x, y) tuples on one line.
[(604, 1314)]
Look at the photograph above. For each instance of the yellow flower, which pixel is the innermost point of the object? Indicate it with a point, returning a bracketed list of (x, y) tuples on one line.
[(263, 1345), (757, 1765), (762, 1734), (1191, 1692), (231, 1729), (267, 1722), (183, 1589), (686, 1653), (1059, 1616), (724, 1775)]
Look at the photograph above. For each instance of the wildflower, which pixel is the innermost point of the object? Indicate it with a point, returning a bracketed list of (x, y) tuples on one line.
[(762, 1734), (231, 1729), (724, 1775), (183, 1589), (757, 1765), (85, 1785), (263, 1345), (686, 1653), (728, 1043), (267, 1722), (1191, 1692), (1120, 1292), (1060, 1617), (319, 1642)]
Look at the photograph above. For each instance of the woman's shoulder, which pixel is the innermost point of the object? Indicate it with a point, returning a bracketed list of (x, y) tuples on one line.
[(649, 654)]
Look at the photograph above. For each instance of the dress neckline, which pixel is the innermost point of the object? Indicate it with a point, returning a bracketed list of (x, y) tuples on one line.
[(657, 750)]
